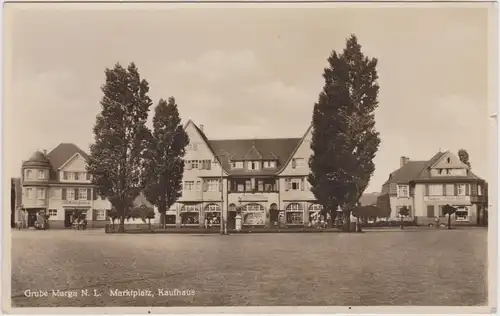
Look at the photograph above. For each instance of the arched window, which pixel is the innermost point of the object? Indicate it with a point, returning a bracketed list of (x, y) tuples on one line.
[(314, 213), (294, 207), (29, 174), (212, 214), (273, 207), (190, 208), (316, 207), (232, 207), (295, 214), (254, 214), (190, 214)]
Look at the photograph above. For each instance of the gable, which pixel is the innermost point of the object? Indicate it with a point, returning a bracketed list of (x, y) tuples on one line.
[(449, 160), (76, 163), (302, 152), (197, 149)]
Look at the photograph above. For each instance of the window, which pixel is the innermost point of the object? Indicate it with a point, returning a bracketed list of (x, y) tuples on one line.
[(71, 176), (297, 163), (212, 208), (40, 194), (460, 189), (479, 190), (77, 176), (190, 214), (100, 215), (29, 174), (70, 194), (87, 176), (450, 189), (435, 189), (269, 164), (253, 165), (253, 214), (237, 164), (212, 214), (82, 194), (29, 193), (193, 208), (430, 211), (403, 190), (294, 214), (462, 214), (194, 164), (188, 185), (448, 160), (52, 213), (198, 185), (41, 175), (295, 184), (65, 175), (212, 185), (248, 185)]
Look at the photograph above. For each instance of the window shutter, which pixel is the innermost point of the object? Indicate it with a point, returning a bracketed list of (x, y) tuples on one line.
[(427, 190), (294, 163), (287, 182), (76, 194), (456, 189), (444, 189), (302, 184), (205, 185), (63, 194), (220, 185), (188, 165), (89, 194), (467, 189), (200, 165), (209, 165)]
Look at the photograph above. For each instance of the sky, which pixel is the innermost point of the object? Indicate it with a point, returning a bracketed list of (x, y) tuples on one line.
[(252, 72)]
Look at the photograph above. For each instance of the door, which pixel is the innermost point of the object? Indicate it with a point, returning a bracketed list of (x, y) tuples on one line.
[(274, 218), (231, 222), (67, 218), (31, 219), (430, 211)]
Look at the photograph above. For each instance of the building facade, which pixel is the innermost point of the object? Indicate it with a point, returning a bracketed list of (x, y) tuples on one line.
[(265, 178), (426, 186), (58, 184)]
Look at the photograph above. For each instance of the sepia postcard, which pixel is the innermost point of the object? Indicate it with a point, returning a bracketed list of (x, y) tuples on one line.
[(250, 158)]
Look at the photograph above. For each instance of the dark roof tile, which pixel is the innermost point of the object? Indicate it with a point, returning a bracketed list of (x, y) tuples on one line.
[(62, 153)]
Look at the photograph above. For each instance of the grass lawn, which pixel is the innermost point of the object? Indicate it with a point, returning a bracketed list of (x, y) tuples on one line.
[(384, 267)]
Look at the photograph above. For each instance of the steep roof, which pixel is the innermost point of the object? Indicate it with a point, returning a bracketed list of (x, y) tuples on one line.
[(64, 151), (278, 149), (420, 171)]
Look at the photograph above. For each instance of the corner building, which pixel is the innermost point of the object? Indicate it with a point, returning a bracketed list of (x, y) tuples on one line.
[(264, 177), (426, 186)]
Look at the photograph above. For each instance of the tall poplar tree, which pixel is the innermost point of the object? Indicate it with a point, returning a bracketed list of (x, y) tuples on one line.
[(344, 141), (116, 160), (165, 154)]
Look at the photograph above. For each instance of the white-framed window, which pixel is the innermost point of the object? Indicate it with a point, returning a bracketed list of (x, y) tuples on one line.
[(212, 185), (479, 190), (450, 189), (253, 207), (403, 190), (298, 162), (237, 164), (198, 185), (461, 189), (77, 175), (253, 165), (270, 164), (70, 194), (40, 175), (294, 184), (71, 176), (52, 213), (40, 193), (435, 189), (190, 208), (82, 194), (29, 193), (294, 214), (462, 214), (294, 207), (29, 174), (212, 208), (100, 215), (188, 185), (194, 164)]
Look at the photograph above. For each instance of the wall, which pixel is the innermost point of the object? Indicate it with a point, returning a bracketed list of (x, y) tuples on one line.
[(402, 201)]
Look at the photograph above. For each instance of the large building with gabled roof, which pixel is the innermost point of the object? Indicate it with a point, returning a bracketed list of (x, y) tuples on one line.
[(426, 186)]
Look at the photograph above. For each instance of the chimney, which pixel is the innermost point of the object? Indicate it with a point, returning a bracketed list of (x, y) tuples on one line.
[(201, 127), (403, 160), (45, 152)]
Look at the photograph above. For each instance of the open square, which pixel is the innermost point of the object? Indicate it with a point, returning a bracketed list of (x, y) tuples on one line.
[(417, 266)]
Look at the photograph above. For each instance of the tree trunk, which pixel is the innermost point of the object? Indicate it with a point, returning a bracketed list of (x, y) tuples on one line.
[(121, 228), (402, 224), (149, 222), (449, 221), (358, 225)]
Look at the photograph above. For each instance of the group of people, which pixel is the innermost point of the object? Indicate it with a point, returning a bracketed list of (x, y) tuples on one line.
[(80, 222), (318, 220), (41, 220)]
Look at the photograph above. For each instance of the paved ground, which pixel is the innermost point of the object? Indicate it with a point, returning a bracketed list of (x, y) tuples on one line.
[(385, 267)]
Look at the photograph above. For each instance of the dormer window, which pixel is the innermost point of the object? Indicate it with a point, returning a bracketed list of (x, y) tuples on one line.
[(237, 164), (253, 165), (41, 175), (270, 164)]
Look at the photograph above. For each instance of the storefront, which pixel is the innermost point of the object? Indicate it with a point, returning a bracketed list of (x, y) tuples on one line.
[(212, 215), (465, 210), (294, 214), (315, 214), (254, 215), (190, 214)]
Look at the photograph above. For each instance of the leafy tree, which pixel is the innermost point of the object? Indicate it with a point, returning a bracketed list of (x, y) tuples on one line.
[(116, 159), (165, 157), (464, 156), (403, 212), (449, 210), (344, 141)]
